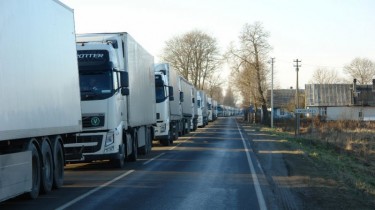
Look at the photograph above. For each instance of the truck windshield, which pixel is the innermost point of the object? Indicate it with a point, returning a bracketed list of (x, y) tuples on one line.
[(96, 85), (160, 94)]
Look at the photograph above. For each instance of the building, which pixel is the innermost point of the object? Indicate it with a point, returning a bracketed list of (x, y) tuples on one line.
[(342, 101), (284, 101)]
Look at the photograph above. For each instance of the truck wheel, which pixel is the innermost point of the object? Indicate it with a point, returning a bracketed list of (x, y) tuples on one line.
[(175, 135), (58, 162), (167, 141), (36, 170), (120, 161), (133, 157), (174, 131), (47, 169)]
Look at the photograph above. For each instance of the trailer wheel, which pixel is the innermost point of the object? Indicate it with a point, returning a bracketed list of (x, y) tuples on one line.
[(133, 157), (47, 168), (58, 162), (36, 170)]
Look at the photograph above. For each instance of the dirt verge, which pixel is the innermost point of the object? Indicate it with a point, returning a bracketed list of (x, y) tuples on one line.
[(299, 180)]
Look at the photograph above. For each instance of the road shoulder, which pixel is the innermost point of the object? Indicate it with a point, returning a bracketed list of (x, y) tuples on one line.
[(297, 180)]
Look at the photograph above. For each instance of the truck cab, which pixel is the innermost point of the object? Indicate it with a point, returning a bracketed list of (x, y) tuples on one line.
[(117, 113), (168, 106)]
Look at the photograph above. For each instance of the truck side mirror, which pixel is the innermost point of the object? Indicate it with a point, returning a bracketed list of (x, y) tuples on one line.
[(193, 100), (182, 96), (170, 90), (125, 91), (124, 79)]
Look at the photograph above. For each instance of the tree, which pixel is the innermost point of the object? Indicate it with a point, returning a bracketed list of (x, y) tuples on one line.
[(215, 88), (325, 76), (362, 69), (195, 55), (229, 98), (249, 65)]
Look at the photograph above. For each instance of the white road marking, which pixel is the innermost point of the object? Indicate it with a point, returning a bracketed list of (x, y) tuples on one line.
[(93, 190), (147, 162), (258, 190)]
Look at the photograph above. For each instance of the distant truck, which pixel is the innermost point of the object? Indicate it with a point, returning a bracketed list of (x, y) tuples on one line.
[(168, 104), (39, 95), (202, 109), (187, 104), (214, 109), (194, 120), (209, 110), (117, 98)]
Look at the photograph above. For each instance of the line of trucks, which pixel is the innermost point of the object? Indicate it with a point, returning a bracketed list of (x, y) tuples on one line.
[(82, 98)]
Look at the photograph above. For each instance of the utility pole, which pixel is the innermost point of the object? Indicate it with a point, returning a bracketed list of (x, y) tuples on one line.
[(297, 98), (272, 61)]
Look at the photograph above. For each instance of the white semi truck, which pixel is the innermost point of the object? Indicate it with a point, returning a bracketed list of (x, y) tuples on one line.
[(39, 95), (214, 109), (209, 110), (187, 104), (194, 120), (117, 98), (202, 109), (168, 104)]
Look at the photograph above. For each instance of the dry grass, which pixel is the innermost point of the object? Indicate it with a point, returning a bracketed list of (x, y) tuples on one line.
[(351, 146)]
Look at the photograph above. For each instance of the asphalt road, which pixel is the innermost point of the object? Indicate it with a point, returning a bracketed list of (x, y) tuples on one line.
[(212, 168)]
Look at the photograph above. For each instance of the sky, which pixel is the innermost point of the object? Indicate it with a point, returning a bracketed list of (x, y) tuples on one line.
[(320, 33)]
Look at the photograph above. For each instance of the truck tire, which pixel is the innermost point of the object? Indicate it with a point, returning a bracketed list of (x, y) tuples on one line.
[(36, 169), (47, 168), (134, 156), (174, 128), (58, 162), (120, 161), (167, 141)]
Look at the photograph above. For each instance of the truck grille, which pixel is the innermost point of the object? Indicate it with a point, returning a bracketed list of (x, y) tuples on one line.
[(93, 121), (86, 139)]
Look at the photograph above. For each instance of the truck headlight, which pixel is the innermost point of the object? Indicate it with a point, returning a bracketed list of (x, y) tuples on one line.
[(110, 139)]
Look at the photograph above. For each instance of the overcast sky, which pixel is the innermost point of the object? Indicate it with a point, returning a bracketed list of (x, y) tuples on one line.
[(321, 33)]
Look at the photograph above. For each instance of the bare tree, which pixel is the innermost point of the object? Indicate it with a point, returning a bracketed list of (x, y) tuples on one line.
[(195, 55), (214, 88), (250, 66), (362, 69), (229, 99), (325, 76)]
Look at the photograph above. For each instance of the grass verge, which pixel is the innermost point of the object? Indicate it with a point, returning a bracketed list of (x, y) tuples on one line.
[(346, 169)]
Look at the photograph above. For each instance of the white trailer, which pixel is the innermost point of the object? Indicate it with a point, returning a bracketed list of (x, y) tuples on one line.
[(214, 109), (168, 104), (209, 109), (39, 95), (187, 104), (117, 98), (202, 109), (194, 120)]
